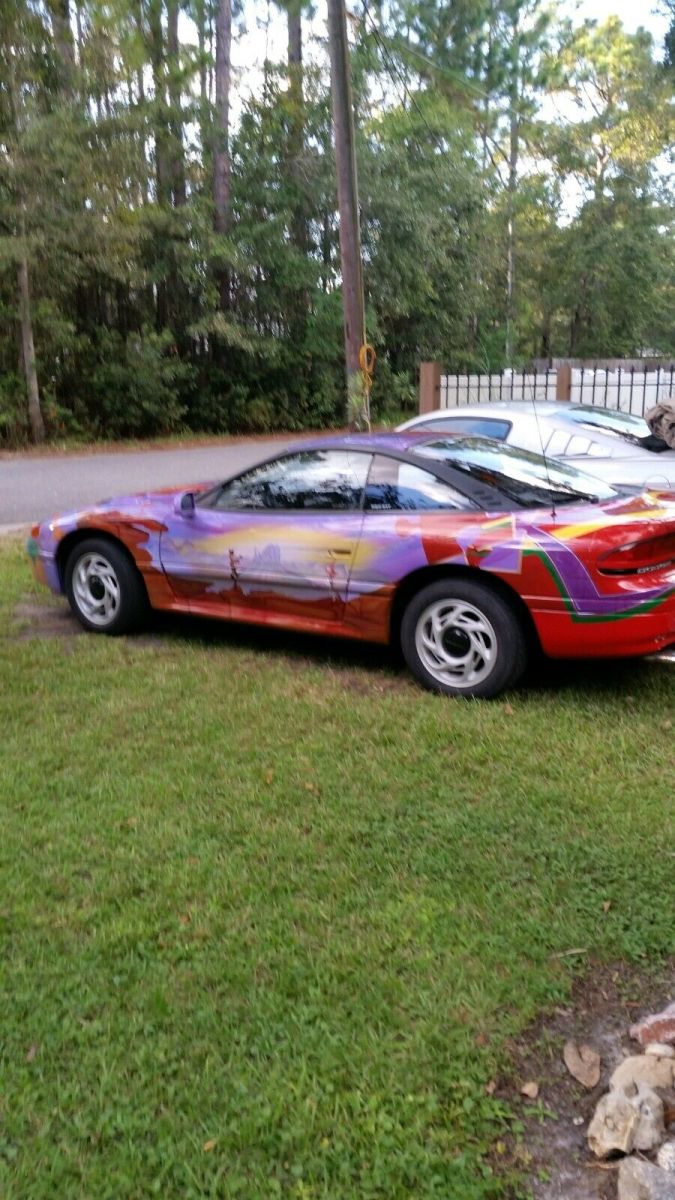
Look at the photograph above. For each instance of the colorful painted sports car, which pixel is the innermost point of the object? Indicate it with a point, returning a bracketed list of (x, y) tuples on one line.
[(465, 551)]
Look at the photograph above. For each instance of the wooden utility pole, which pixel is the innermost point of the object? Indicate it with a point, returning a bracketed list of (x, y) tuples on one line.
[(348, 204)]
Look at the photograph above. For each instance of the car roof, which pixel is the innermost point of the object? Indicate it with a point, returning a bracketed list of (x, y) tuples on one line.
[(398, 442), (517, 408), (503, 408)]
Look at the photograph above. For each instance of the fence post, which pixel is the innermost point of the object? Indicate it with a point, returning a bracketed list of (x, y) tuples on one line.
[(563, 383), (430, 386)]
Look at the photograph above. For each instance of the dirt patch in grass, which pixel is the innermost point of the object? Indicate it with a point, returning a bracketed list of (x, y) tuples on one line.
[(36, 620), (365, 685), (605, 1002)]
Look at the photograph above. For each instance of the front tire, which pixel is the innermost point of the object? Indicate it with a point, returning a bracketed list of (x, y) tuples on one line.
[(462, 639), (104, 589)]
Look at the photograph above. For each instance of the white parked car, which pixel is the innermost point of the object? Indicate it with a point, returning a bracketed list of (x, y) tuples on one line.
[(614, 446)]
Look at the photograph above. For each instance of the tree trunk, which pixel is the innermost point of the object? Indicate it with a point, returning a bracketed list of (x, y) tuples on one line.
[(210, 72), (325, 253), (80, 33), (37, 424), (63, 40), (511, 241), (144, 197), (162, 168), (25, 317), (203, 79), (144, 184), (296, 140), (514, 148), (175, 116), (221, 148), (602, 157), (163, 178), (575, 332), (348, 206)]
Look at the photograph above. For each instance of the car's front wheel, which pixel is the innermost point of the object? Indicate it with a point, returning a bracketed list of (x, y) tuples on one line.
[(104, 589), (461, 638)]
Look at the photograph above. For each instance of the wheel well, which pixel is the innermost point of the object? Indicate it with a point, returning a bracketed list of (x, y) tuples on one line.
[(71, 540), (418, 579)]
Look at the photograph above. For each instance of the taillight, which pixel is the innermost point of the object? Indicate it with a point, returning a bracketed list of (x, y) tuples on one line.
[(637, 558)]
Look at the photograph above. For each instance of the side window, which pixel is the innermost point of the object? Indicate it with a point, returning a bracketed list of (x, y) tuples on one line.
[(573, 445), (579, 445), (468, 427), (395, 486), (314, 479), (557, 443)]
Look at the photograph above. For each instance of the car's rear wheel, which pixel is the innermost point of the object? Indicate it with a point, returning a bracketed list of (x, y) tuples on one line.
[(462, 639), (104, 589)]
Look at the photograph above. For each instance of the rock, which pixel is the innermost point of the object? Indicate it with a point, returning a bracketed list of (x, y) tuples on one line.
[(655, 1072), (530, 1089), (660, 1049), (641, 1180), (612, 1126), (658, 1027), (651, 1126), (624, 1122), (583, 1062), (666, 1157)]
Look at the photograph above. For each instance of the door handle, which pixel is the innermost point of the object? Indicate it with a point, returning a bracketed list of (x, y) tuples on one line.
[(339, 550)]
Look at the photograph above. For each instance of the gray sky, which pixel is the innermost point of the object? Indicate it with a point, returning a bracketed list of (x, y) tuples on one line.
[(249, 50), (631, 12), (264, 34)]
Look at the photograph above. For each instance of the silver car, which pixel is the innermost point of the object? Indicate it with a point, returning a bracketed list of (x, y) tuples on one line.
[(614, 446)]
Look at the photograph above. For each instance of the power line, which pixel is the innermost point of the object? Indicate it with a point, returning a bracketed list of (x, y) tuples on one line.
[(396, 77)]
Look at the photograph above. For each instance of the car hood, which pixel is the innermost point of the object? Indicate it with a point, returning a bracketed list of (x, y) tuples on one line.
[(151, 505)]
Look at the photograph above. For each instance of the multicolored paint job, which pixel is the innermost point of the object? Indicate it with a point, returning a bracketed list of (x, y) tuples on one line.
[(339, 573)]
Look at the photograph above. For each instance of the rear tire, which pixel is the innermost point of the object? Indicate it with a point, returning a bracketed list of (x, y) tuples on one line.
[(104, 589), (460, 638)]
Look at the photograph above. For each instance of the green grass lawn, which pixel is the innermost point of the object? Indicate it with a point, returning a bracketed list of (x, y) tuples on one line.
[(270, 913)]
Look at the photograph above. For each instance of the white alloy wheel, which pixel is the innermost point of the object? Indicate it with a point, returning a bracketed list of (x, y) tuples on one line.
[(460, 637), (96, 589), (104, 587), (456, 643)]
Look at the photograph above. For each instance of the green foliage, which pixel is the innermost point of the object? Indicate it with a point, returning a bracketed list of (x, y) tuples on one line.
[(13, 415), (106, 195), (136, 385)]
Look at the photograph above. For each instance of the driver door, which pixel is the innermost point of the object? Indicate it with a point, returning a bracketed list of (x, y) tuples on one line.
[(276, 545)]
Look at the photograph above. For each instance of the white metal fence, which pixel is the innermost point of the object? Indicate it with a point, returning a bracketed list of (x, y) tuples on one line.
[(508, 385), (628, 390)]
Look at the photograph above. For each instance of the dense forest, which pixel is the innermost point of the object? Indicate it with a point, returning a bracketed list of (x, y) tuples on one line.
[(169, 252)]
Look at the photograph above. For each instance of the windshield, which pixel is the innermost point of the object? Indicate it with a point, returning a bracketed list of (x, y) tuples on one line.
[(617, 424), (527, 479)]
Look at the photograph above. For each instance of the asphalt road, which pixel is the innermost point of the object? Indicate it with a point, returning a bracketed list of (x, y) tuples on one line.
[(34, 488)]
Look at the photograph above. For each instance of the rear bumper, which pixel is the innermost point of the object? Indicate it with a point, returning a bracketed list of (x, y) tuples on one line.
[(565, 635)]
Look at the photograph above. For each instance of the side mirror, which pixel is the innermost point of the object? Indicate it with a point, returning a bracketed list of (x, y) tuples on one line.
[(186, 504)]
